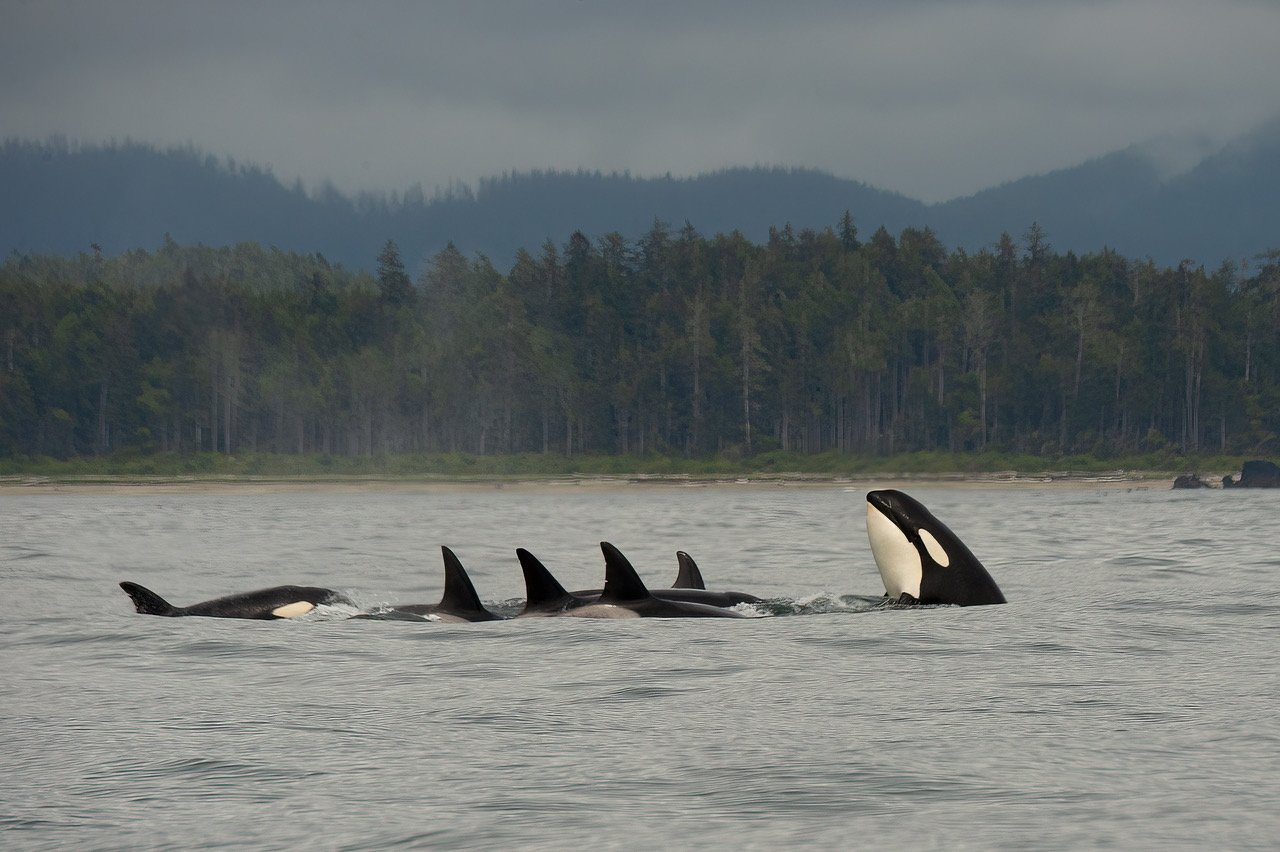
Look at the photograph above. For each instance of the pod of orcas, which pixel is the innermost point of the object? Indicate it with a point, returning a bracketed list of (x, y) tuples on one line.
[(921, 561)]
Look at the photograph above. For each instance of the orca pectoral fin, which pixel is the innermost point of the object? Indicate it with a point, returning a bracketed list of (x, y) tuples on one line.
[(902, 601), (146, 601)]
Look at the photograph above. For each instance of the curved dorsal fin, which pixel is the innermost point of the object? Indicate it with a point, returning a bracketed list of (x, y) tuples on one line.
[(146, 601), (689, 577), (540, 587), (621, 582), (459, 595)]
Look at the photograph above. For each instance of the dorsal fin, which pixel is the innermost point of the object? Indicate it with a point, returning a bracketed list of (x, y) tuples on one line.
[(146, 601), (689, 577), (540, 587), (621, 582), (460, 596)]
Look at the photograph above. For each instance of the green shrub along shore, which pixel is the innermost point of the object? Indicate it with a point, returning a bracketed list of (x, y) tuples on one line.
[(464, 466)]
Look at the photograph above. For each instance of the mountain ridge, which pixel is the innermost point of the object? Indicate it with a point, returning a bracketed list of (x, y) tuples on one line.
[(61, 199)]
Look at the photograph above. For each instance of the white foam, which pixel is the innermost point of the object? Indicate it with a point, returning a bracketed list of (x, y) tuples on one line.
[(751, 610)]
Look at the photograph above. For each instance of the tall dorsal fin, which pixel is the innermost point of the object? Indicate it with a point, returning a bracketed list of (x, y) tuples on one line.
[(460, 596), (146, 601), (621, 582), (689, 577), (540, 587)]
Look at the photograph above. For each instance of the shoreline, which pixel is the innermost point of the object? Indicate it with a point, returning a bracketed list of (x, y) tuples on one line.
[(112, 484)]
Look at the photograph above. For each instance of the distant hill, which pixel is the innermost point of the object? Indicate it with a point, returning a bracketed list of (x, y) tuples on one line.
[(1226, 206), (59, 199), (1084, 207)]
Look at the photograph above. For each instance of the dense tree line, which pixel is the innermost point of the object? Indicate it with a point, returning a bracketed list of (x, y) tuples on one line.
[(676, 343)]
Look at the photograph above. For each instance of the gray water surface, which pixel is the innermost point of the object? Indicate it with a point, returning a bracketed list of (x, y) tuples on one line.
[(1126, 696)]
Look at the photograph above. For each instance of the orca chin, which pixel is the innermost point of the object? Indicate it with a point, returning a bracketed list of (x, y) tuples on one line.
[(920, 559), (276, 602)]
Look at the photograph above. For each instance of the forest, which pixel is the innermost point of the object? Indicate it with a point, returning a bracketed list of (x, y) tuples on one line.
[(676, 344)]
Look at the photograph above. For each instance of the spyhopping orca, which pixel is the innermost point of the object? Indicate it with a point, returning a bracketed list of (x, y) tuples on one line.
[(625, 596), (922, 561), (459, 602), (545, 596), (276, 602)]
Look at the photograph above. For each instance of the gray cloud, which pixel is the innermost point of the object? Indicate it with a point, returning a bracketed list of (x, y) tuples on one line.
[(930, 98)]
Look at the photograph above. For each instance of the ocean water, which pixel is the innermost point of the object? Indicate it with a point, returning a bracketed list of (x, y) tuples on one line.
[(1125, 697)]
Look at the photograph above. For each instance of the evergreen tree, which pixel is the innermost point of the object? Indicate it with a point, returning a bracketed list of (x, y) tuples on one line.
[(674, 343), (393, 282)]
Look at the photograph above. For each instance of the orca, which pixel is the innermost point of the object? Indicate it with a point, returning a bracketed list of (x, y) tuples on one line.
[(543, 593), (276, 602), (920, 559), (626, 596), (690, 587), (545, 596), (459, 601), (688, 577)]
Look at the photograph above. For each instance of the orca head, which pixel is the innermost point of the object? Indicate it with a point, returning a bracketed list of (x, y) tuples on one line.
[(919, 556)]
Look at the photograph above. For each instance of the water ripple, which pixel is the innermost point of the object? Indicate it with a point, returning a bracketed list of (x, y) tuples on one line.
[(1124, 692)]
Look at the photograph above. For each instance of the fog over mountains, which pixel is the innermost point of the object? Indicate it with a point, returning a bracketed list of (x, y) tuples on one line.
[(1169, 200)]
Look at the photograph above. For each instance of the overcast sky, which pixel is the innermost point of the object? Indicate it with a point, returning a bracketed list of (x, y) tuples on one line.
[(931, 98)]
